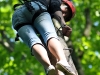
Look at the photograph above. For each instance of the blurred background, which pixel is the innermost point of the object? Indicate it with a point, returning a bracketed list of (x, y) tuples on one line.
[(16, 59)]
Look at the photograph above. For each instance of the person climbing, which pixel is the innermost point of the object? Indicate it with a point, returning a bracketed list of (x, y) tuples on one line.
[(33, 16)]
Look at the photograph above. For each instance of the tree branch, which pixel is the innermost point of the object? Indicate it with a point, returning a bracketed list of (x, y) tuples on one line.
[(88, 22), (5, 41)]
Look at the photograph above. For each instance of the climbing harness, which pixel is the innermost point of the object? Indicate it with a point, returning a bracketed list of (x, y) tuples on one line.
[(27, 3), (30, 8)]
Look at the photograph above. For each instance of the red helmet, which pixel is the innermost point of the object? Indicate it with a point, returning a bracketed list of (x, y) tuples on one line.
[(71, 6)]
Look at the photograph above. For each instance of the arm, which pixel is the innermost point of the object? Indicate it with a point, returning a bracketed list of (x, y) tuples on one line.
[(55, 10)]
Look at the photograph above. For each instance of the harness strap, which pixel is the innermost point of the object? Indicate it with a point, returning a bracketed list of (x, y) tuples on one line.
[(20, 25), (16, 5), (38, 12), (28, 5)]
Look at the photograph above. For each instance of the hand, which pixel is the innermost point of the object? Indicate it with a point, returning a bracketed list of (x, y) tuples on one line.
[(66, 30)]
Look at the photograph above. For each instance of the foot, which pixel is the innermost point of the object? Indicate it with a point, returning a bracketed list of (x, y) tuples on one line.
[(51, 70), (67, 70)]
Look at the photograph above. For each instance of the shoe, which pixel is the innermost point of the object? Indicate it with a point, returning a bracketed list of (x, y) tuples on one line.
[(67, 70), (51, 70)]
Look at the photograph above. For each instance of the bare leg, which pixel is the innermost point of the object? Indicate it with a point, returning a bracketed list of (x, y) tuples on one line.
[(41, 54), (53, 62), (57, 50)]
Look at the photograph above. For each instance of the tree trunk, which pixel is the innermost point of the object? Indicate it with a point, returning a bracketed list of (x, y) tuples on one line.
[(67, 52)]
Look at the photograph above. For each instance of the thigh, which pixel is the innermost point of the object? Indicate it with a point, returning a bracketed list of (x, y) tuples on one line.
[(28, 35), (44, 25)]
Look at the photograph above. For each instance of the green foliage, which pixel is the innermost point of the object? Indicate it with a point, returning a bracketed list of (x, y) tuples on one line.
[(89, 45), (20, 61)]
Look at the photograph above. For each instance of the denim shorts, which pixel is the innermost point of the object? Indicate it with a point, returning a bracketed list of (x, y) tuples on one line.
[(43, 24)]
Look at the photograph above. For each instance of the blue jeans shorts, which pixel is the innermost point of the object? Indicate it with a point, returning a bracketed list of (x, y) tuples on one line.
[(43, 24)]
